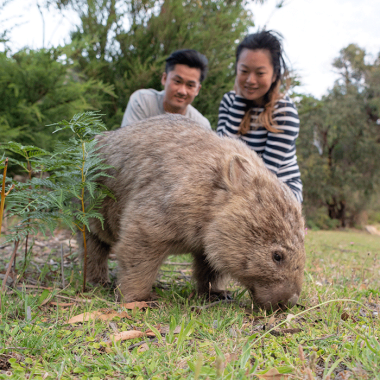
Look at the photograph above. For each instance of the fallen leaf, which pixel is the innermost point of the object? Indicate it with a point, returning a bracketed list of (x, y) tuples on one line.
[(143, 347), (289, 317), (126, 335), (84, 317), (132, 305), (62, 304), (100, 314), (272, 320), (273, 374)]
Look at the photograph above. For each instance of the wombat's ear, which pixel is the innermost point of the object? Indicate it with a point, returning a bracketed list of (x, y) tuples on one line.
[(238, 171)]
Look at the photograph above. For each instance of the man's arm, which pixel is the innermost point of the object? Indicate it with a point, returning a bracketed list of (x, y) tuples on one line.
[(134, 111)]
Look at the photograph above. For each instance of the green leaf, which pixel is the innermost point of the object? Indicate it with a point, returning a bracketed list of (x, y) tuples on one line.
[(156, 332), (45, 294)]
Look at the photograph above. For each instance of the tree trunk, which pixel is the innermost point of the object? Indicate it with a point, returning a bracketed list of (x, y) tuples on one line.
[(337, 210)]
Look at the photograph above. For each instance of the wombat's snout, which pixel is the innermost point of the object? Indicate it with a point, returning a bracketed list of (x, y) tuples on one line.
[(292, 301), (272, 301), (283, 305)]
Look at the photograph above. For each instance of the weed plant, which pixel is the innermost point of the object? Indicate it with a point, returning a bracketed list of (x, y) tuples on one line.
[(61, 186)]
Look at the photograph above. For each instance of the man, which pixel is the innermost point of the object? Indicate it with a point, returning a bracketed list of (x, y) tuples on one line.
[(184, 72)]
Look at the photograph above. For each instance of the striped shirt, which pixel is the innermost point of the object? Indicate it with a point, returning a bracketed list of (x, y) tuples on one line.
[(278, 150)]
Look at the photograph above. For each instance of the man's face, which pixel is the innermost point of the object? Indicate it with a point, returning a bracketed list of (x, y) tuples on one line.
[(181, 86)]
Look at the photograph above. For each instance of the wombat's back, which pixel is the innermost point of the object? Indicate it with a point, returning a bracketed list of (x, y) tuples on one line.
[(169, 146), (168, 158)]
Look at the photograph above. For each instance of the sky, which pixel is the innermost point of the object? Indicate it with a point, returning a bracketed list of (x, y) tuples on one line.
[(314, 32)]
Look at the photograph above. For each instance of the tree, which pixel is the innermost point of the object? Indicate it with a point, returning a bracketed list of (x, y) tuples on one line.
[(339, 144), (39, 88), (125, 44), (351, 65)]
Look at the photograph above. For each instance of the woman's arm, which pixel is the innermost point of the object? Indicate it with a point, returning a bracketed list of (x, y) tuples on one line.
[(280, 147), (231, 112)]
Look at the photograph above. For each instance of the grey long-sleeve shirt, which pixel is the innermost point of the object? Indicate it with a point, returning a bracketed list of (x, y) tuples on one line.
[(147, 103)]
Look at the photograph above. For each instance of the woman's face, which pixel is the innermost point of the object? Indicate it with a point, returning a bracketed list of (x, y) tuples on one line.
[(255, 74)]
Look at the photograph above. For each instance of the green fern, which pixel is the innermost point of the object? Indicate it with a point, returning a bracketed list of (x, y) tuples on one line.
[(64, 188)]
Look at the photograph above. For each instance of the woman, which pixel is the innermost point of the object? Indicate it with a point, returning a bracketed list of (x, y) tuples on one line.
[(257, 113)]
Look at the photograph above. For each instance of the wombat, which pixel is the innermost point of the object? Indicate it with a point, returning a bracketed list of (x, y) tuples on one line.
[(180, 189)]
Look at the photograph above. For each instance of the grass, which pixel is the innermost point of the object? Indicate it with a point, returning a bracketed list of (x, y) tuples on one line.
[(332, 333)]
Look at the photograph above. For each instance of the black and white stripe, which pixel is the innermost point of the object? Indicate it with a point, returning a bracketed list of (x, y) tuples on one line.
[(278, 150)]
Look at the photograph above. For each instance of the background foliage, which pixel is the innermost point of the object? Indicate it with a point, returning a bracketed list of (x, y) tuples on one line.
[(120, 46), (338, 147)]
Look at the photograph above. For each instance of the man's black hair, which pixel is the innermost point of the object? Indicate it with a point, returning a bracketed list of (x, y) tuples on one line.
[(188, 57)]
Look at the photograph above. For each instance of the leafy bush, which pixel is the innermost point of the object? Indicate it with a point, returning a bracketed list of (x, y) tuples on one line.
[(318, 219), (41, 87)]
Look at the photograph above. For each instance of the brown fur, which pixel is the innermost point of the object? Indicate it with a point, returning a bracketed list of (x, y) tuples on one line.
[(180, 189)]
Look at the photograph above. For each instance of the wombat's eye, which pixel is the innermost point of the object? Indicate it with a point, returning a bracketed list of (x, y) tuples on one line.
[(277, 257)]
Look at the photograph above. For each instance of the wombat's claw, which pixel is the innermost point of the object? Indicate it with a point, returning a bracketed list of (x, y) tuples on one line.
[(220, 296)]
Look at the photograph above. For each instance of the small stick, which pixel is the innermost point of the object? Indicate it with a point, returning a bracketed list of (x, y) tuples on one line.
[(3, 193), (10, 265), (84, 256), (171, 271), (73, 299), (131, 347), (62, 273), (173, 263)]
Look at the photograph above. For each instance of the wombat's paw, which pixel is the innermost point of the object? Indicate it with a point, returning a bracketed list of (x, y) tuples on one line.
[(125, 298), (221, 295)]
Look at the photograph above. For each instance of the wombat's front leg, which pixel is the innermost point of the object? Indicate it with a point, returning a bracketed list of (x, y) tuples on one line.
[(209, 281), (97, 259), (139, 263)]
